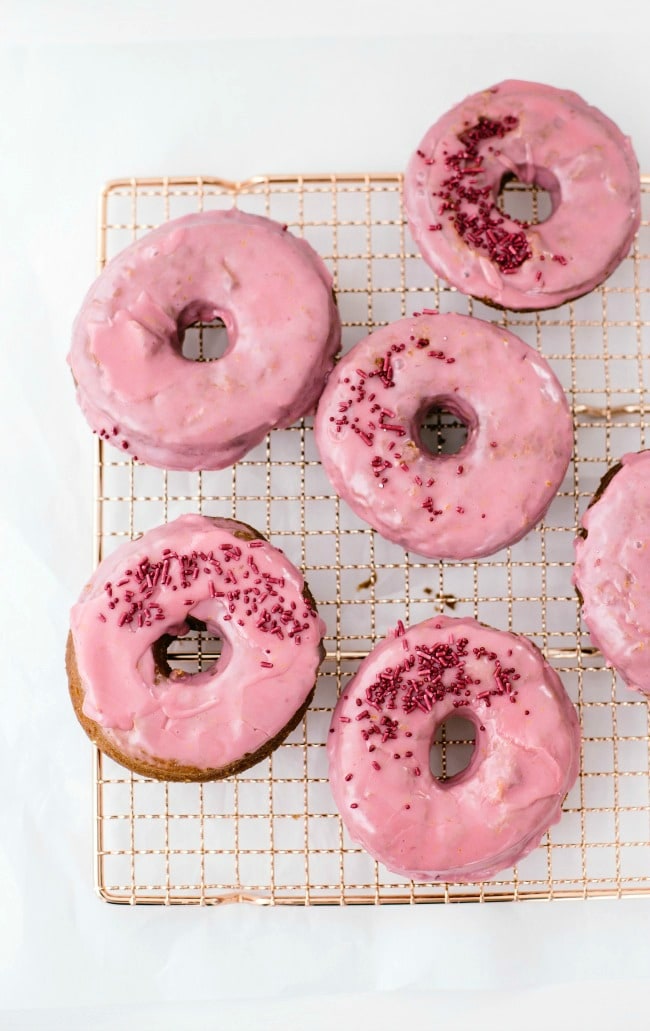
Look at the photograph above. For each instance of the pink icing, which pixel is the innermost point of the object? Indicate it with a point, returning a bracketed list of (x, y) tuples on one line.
[(612, 571), (247, 592), (540, 135), (272, 292), (525, 760), (454, 506)]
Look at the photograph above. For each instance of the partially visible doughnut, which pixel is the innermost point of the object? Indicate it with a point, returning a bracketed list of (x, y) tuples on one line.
[(274, 296), (538, 134), (525, 760), (612, 569), (194, 571), (489, 494)]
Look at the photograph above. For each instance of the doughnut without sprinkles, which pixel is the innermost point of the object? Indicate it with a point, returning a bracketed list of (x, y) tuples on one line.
[(612, 571), (195, 572), (466, 505), (537, 134), (272, 293), (525, 759)]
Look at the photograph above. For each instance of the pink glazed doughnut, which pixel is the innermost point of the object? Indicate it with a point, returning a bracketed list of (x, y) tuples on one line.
[(612, 573), (194, 572), (526, 757), (466, 505), (537, 134), (274, 296)]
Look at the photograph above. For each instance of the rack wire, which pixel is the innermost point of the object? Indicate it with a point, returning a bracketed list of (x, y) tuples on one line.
[(272, 834)]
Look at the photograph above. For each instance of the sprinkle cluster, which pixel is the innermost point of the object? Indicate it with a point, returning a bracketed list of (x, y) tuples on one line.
[(426, 675), (232, 575), (470, 206)]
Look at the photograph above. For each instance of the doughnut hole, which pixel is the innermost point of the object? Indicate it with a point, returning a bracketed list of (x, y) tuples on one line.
[(443, 427), (197, 649), (530, 200), (452, 749), (202, 332)]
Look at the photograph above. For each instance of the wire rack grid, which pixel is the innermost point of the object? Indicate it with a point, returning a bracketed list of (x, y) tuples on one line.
[(272, 835)]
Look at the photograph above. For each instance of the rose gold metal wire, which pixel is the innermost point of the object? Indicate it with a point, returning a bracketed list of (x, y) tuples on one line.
[(272, 835)]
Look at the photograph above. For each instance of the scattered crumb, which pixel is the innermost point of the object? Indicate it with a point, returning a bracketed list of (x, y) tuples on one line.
[(370, 582)]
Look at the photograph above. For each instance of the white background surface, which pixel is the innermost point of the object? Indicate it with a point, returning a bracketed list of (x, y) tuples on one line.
[(89, 92)]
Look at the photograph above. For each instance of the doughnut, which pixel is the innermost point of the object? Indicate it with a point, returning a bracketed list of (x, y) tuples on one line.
[(525, 759), (196, 572), (611, 569), (274, 296), (537, 134), (497, 487)]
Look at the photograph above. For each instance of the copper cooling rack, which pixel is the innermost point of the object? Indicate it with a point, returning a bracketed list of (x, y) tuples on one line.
[(272, 834)]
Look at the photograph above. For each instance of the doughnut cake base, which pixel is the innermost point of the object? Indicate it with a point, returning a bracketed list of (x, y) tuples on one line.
[(195, 572)]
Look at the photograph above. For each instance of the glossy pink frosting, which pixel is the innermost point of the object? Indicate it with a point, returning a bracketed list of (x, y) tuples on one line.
[(540, 135), (612, 571), (274, 295), (246, 592), (525, 760), (490, 493)]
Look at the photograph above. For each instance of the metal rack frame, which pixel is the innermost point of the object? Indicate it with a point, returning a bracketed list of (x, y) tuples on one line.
[(272, 834)]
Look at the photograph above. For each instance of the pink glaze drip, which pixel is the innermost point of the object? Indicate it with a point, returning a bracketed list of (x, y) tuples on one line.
[(540, 135), (247, 592), (612, 571), (273, 294), (460, 506), (525, 761)]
